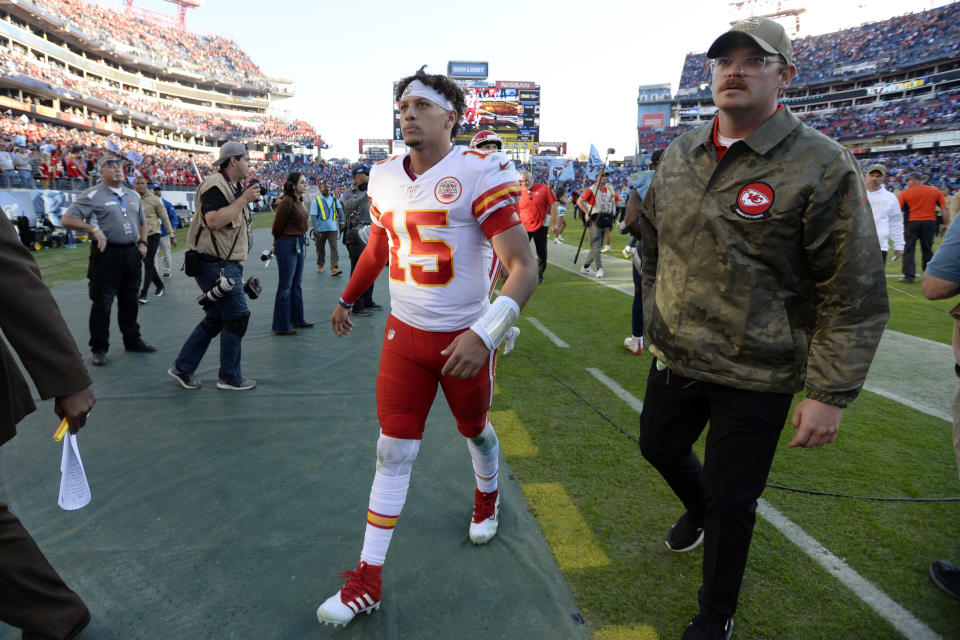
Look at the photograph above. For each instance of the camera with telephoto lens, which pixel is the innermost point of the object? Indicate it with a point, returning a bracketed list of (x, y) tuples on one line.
[(220, 288)]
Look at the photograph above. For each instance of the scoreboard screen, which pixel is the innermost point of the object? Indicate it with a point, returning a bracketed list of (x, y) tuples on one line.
[(514, 114)]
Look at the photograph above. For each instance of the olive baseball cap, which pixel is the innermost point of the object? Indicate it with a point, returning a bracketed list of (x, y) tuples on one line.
[(229, 150), (763, 32), (877, 167)]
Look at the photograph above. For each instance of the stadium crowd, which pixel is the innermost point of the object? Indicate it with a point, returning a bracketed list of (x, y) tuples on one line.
[(203, 121), (869, 49), (210, 56)]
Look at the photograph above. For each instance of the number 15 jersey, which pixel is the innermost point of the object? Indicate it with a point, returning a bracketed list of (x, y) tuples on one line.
[(442, 266)]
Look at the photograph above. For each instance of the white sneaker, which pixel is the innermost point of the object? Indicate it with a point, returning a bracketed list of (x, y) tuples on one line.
[(634, 345), (486, 516), (627, 251), (586, 270), (511, 338), (556, 240), (599, 273), (560, 238), (606, 249)]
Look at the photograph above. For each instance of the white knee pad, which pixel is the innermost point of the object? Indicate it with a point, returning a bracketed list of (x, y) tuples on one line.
[(395, 456), (487, 439)]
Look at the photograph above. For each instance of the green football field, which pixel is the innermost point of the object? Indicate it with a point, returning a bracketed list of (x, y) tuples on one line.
[(567, 411)]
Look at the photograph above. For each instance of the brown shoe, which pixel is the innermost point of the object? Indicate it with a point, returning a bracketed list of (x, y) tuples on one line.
[(320, 269), (335, 271)]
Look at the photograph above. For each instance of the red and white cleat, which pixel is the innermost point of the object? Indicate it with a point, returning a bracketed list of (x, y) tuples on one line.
[(360, 594), (633, 345), (486, 516)]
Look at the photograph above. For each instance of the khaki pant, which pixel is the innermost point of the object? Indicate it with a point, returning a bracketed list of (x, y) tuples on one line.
[(164, 256)]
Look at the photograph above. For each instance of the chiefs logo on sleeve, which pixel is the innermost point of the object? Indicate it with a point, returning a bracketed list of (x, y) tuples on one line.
[(754, 201)]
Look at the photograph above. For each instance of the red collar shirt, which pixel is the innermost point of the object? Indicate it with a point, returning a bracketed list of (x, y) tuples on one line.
[(534, 206)]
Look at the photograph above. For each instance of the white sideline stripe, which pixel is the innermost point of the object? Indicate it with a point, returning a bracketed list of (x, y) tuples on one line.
[(901, 619), (888, 609), (919, 406), (621, 393), (554, 338)]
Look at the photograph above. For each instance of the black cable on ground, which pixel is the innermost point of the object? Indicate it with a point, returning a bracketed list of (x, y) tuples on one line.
[(577, 393), (636, 439)]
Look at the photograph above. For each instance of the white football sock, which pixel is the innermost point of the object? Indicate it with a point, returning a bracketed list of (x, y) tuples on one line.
[(389, 491), (485, 454)]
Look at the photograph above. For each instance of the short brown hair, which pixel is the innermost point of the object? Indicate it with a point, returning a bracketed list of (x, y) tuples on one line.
[(444, 85)]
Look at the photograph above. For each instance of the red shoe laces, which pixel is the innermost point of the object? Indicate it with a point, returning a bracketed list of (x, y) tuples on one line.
[(359, 581), (484, 505)]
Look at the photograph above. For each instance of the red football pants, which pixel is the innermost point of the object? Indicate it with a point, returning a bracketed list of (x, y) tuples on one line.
[(410, 364)]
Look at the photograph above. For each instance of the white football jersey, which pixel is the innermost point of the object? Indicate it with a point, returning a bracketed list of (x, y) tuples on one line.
[(442, 265)]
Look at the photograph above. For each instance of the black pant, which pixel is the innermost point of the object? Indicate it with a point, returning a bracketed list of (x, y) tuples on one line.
[(32, 596), (149, 268), (539, 238), (722, 493), (366, 298), (115, 272), (922, 230)]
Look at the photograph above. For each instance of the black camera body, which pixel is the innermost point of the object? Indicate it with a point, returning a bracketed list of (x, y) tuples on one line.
[(252, 287)]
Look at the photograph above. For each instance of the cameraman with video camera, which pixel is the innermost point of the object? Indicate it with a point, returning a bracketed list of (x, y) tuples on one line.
[(599, 206), (218, 242)]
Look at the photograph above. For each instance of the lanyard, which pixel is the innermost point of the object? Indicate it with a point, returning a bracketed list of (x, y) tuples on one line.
[(122, 200)]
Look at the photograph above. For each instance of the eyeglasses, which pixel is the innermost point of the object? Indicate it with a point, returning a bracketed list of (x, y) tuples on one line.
[(749, 65)]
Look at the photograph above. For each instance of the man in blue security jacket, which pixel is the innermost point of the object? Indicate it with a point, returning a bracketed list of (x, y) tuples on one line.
[(326, 213)]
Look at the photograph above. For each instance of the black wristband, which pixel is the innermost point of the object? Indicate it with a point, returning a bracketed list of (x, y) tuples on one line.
[(143, 242)]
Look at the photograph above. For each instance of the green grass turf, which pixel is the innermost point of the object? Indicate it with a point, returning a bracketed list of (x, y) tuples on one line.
[(550, 435)]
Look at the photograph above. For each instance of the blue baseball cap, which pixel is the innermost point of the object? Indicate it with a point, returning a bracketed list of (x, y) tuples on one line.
[(361, 168)]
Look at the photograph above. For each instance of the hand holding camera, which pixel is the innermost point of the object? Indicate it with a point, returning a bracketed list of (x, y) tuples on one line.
[(252, 192), (266, 257)]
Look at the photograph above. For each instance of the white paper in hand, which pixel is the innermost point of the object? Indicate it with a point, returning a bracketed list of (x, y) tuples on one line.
[(74, 490)]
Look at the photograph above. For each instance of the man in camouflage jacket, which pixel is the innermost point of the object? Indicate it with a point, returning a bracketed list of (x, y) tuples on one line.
[(761, 276)]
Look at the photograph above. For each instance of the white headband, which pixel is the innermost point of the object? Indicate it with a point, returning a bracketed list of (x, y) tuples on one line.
[(417, 88)]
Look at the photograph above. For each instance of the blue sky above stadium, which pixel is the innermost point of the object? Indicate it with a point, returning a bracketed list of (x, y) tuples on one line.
[(588, 58)]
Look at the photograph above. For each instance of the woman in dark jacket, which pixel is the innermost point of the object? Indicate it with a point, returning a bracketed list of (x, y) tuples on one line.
[(289, 240)]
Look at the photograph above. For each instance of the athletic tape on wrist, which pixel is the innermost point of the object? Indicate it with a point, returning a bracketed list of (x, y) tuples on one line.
[(492, 327)]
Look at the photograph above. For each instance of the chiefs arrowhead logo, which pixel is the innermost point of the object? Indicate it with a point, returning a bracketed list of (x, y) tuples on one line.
[(448, 190), (754, 201)]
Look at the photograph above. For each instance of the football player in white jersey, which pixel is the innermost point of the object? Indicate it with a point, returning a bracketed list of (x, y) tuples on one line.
[(442, 215)]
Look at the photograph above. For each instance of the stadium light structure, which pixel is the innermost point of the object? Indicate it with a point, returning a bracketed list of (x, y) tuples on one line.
[(182, 6)]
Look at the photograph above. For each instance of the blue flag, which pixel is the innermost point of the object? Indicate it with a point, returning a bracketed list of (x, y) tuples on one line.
[(112, 144), (594, 163), (134, 157)]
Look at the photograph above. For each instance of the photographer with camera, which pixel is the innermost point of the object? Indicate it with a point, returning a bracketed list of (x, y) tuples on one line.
[(599, 205), (218, 242), (356, 206)]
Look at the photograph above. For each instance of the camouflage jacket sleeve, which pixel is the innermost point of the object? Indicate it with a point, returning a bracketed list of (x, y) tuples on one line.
[(648, 245), (840, 241)]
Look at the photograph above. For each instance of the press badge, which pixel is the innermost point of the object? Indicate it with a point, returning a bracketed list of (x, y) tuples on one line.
[(127, 228)]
